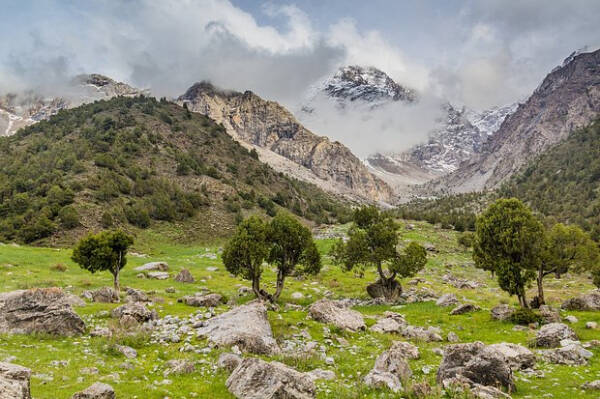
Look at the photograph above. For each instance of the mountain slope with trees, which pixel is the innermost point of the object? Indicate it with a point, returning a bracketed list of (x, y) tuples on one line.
[(136, 162)]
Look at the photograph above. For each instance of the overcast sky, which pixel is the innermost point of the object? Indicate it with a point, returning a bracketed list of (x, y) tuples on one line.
[(479, 53)]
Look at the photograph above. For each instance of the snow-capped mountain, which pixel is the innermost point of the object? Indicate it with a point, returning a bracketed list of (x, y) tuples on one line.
[(18, 110), (361, 86)]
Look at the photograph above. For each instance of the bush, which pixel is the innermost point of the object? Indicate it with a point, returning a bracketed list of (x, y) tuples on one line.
[(106, 220), (465, 239), (69, 218), (525, 316)]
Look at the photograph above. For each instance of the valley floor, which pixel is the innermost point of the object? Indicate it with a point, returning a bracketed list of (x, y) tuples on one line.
[(64, 366)]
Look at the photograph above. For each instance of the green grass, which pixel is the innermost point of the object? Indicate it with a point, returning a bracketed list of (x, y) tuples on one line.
[(24, 267)]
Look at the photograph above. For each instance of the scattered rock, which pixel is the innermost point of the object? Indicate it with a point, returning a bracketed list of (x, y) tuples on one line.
[(589, 302), (452, 337), (447, 300), (592, 325), (383, 379), (517, 356), (96, 391), (74, 300), (39, 310), (320, 374), (502, 312), (461, 283), (549, 315), (391, 322), (179, 367), (153, 266), (184, 276), (460, 384), (328, 311), (550, 335), (14, 381), (421, 390), (254, 378), (591, 386), (246, 326), (135, 310), (571, 354), (103, 295), (476, 363), (158, 275), (405, 349), (229, 361), (199, 299), (297, 295), (127, 351), (134, 295), (101, 332), (464, 308), (571, 319)]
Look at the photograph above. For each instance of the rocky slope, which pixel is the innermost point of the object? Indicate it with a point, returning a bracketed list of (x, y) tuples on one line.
[(280, 138), (18, 110), (567, 99)]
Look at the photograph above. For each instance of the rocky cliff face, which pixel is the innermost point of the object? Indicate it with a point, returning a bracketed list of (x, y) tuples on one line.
[(271, 129), (567, 99), (18, 110)]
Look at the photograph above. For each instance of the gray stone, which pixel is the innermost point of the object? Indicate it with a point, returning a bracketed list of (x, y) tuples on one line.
[(464, 308), (246, 326), (502, 312), (328, 311), (256, 379), (153, 266), (96, 391), (572, 354), (127, 351), (592, 325), (199, 299), (460, 384), (447, 300), (179, 367), (517, 356), (184, 276), (134, 295), (14, 381), (452, 337), (477, 364), (550, 335), (549, 315), (591, 386), (229, 361), (589, 302), (571, 319), (103, 295), (320, 374), (390, 323), (39, 310), (135, 310), (383, 379), (158, 275)]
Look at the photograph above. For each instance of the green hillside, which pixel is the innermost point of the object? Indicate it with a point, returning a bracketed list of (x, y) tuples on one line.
[(139, 163), (563, 182)]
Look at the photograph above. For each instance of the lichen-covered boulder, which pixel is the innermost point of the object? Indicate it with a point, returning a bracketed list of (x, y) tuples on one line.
[(14, 381), (328, 311), (589, 302), (96, 391), (550, 335)]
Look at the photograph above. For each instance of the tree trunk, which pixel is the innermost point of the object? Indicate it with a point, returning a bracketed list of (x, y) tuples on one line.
[(116, 284), (525, 305), (540, 286), (279, 289), (388, 288)]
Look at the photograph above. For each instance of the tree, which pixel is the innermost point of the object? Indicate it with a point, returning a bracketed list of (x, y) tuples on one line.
[(509, 241), (284, 243), (372, 241), (246, 251), (291, 245), (566, 248), (103, 251)]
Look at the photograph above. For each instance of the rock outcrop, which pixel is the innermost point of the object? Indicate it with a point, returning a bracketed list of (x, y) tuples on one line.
[(246, 326), (517, 356), (550, 335), (254, 378), (39, 310), (98, 390), (135, 311), (332, 312), (184, 276), (14, 381), (589, 301), (275, 133)]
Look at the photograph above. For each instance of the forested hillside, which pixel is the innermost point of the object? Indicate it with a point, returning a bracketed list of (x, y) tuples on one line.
[(135, 162)]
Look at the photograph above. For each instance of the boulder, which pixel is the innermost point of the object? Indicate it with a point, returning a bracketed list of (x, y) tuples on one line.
[(571, 319), (391, 322), (383, 379), (476, 363), (549, 315), (14, 381), (158, 275), (460, 384), (199, 299), (256, 379), (429, 334), (246, 326), (328, 311), (394, 361), (461, 283), (320, 374), (134, 295), (502, 312), (153, 266), (96, 391), (405, 349), (39, 310), (550, 335), (589, 302), (592, 325), (452, 337), (184, 276), (74, 300), (127, 351), (447, 300), (464, 308), (104, 295), (229, 361), (179, 367), (591, 386), (572, 354), (135, 310), (517, 356)]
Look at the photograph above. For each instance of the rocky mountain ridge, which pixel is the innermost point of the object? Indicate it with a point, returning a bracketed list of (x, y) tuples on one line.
[(280, 139), (567, 99), (18, 110)]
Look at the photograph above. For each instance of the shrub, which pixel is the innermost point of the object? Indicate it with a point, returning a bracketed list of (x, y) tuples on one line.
[(69, 218), (524, 316), (59, 267), (465, 239)]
